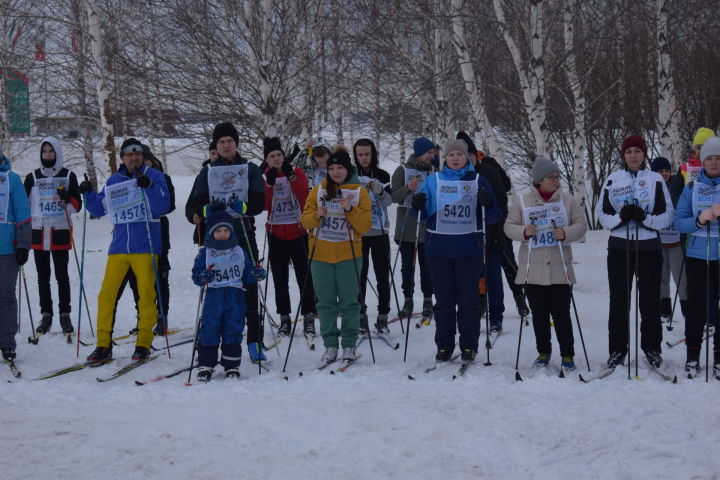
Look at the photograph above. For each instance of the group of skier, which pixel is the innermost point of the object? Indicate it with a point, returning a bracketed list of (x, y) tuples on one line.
[(327, 215)]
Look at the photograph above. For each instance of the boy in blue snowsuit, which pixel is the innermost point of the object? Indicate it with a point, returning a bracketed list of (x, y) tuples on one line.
[(223, 267)]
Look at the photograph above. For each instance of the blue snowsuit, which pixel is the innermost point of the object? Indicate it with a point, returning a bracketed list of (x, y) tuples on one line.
[(223, 315)]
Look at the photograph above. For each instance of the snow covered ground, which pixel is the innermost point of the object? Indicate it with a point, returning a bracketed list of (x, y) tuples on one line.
[(371, 422)]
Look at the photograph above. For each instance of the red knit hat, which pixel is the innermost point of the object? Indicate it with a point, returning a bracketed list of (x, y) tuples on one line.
[(633, 141)]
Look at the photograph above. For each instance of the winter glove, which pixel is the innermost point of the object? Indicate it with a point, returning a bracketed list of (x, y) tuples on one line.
[(63, 194), (237, 207), (143, 181), (270, 176), (259, 273), (484, 198), (418, 201), (638, 214), (85, 187), (376, 188), (21, 256), (627, 213), (287, 169), (206, 276)]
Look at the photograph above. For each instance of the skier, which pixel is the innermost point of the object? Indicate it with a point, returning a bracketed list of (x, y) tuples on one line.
[(15, 226), (212, 154), (632, 200), (452, 202), (697, 214), (313, 161), (339, 210), (406, 182), (239, 184), (54, 196), (286, 190), (692, 166), (546, 272), (672, 253), (223, 267), (376, 241), (125, 199)]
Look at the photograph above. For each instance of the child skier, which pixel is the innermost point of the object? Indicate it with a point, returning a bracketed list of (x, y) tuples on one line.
[(222, 267)]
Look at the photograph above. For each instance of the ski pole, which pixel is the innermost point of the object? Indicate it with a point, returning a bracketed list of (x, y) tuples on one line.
[(386, 242), (572, 296), (82, 271), (487, 288), (155, 269), (19, 290), (77, 264), (394, 266), (707, 306), (637, 295), (201, 304), (677, 285), (34, 338), (415, 254), (518, 378), (628, 288)]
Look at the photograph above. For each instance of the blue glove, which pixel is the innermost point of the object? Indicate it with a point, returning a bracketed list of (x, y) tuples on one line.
[(238, 207), (259, 273), (206, 276)]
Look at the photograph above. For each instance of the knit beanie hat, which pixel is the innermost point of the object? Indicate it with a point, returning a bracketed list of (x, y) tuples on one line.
[(710, 147), (213, 145), (340, 157), (217, 218), (660, 163), (128, 143), (633, 141), (542, 168), (456, 145), (421, 146), (702, 135), (270, 145), (225, 129), (466, 138)]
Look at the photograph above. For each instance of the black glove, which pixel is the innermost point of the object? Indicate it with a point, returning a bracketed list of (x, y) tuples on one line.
[(418, 201), (21, 256), (270, 176), (143, 181), (484, 198), (287, 169), (627, 213), (638, 214), (64, 194), (85, 187)]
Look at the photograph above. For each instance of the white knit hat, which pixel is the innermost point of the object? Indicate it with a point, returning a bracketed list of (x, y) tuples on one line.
[(710, 147)]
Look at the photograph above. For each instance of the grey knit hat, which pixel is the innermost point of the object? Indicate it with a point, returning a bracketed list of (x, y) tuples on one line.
[(456, 145), (710, 147), (542, 168)]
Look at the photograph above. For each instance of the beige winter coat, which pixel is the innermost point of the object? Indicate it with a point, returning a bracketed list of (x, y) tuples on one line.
[(546, 264)]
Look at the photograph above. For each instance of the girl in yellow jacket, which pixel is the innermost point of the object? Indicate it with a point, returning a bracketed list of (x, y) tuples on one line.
[(338, 211)]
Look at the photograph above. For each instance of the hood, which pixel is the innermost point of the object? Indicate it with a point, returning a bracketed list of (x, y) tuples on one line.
[(5, 164), (352, 180), (413, 163), (373, 156), (450, 174), (52, 171)]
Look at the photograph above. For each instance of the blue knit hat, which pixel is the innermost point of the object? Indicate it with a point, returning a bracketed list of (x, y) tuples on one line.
[(422, 145), (217, 218)]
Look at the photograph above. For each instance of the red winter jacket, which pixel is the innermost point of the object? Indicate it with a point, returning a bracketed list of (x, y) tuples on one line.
[(300, 191)]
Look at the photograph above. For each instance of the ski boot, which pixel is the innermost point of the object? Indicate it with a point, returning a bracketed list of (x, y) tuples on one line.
[(9, 354), (654, 359), (45, 323), (100, 355), (232, 373), (256, 354), (521, 305), (363, 330), (495, 328), (407, 308), (615, 359), (468, 355), (427, 310), (381, 325), (443, 354), (285, 326), (140, 354), (66, 324), (204, 374), (329, 356), (159, 330), (568, 364), (542, 360), (309, 325), (348, 354)]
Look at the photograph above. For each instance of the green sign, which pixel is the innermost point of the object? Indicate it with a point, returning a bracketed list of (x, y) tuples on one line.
[(18, 103)]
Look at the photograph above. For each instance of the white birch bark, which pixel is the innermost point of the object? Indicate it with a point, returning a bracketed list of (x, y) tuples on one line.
[(532, 76), (472, 86), (98, 67), (442, 116), (668, 124), (259, 54)]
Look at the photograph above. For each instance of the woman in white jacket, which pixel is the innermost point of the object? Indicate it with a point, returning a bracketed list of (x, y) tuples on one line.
[(546, 219)]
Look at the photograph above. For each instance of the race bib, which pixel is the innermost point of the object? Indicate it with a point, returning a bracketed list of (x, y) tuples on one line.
[(284, 206), (227, 266), (692, 173), (228, 183), (335, 226), (379, 215), (44, 201), (630, 191), (124, 202), (542, 217), (4, 196), (703, 198), (456, 207), (410, 175), (669, 234)]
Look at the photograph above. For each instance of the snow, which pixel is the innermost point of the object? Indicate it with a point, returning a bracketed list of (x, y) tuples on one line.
[(370, 422)]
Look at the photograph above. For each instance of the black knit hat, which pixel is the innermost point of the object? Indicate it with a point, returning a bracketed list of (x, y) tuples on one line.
[(466, 138), (129, 142), (225, 129), (660, 163), (213, 145), (340, 157), (270, 145)]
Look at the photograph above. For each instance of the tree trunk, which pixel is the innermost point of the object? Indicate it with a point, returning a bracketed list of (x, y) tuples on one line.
[(667, 105)]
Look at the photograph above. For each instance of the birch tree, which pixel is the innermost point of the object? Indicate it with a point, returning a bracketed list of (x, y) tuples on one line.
[(668, 122)]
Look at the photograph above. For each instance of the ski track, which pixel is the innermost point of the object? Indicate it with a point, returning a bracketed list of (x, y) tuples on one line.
[(369, 422)]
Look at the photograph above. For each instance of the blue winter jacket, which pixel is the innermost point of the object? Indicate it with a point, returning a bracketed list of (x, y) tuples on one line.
[(15, 233), (467, 245), (685, 219), (133, 237)]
